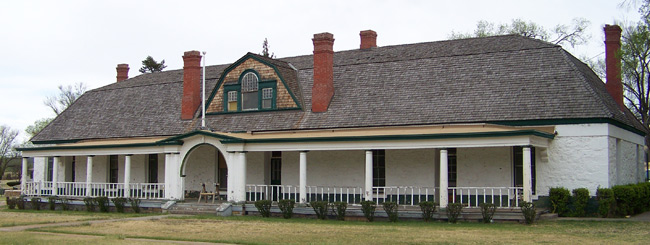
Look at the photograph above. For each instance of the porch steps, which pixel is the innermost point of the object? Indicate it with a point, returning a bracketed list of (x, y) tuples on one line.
[(192, 208)]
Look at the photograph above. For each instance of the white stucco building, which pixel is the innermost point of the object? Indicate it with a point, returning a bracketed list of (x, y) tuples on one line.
[(497, 119)]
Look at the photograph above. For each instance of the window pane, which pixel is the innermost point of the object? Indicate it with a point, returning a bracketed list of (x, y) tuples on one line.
[(249, 101), (232, 96), (249, 82), (266, 104), (232, 106), (267, 93)]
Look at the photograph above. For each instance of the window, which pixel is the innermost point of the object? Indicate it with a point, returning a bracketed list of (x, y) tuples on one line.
[(50, 168), (73, 171), (276, 168), (249, 87), (249, 94), (232, 101), (112, 169), (153, 168), (518, 162), (452, 168), (379, 168), (267, 98)]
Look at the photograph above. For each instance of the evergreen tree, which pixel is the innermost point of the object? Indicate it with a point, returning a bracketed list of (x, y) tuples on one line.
[(149, 65)]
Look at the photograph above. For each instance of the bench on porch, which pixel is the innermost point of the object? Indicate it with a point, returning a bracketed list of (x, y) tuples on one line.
[(207, 194)]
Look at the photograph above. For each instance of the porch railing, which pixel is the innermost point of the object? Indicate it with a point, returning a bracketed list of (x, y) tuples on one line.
[(314, 193), (404, 195), (111, 190), (502, 197), (271, 192)]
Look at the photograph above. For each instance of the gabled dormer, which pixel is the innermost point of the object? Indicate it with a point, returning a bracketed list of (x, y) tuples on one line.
[(255, 83)]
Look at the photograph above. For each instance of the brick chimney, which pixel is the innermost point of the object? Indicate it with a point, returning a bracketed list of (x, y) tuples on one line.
[(613, 63), (122, 72), (323, 88), (191, 84), (368, 39)]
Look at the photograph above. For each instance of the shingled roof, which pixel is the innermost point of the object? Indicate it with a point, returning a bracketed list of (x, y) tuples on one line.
[(480, 80)]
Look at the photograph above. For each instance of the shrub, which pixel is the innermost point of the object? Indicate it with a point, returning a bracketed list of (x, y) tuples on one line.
[(65, 204), (90, 203), (559, 197), (368, 208), (453, 211), (102, 203), (580, 200), (606, 201), (264, 207), (36, 203), (11, 202), (13, 183), (119, 203), (286, 206), (339, 209), (51, 201), (135, 204), (487, 211), (391, 209), (20, 202), (428, 208), (625, 196), (528, 210), (320, 208)]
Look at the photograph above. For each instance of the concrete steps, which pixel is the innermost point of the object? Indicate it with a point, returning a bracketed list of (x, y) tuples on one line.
[(218, 209)]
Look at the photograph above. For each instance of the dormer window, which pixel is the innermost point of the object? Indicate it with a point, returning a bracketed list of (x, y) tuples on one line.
[(250, 93)]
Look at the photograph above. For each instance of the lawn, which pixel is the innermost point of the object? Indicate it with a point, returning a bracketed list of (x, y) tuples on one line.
[(49, 238), (276, 230), (15, 217)]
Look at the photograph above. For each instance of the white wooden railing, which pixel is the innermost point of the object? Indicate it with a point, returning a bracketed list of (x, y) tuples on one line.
[(271, 192), (502, 197), (111, 190), (352, 195), (404, 195)]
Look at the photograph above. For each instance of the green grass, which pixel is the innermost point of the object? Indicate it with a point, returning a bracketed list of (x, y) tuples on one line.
[(16, 217), (257, 230)]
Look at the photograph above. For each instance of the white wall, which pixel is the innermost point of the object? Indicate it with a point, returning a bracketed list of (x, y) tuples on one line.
[(201, 167), (40, 164), (411, 167), (325, 168), (485, 166)]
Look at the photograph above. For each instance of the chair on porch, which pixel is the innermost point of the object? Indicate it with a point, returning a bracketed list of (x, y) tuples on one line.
[(207, 194)]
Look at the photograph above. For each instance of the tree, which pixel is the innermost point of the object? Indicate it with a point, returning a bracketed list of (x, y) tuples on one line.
[(265, 49), (7, 143), (149, 65), (38, 125), (67, 95), (635, 67), (573, 34)]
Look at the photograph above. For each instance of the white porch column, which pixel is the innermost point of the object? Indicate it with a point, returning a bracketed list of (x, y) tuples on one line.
[(55, 175), (528, 190), (89, 175), (303, 176), (173, 181), (237, 177), (23, 175), (127, 176), (444, 184), (368, 186)]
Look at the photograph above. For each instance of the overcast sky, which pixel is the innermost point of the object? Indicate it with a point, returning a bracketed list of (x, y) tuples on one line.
[(44, 44)]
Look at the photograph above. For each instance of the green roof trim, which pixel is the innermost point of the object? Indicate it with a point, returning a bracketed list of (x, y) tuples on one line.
[(395, 137), (541, 122), (198, 132), (79, 147)]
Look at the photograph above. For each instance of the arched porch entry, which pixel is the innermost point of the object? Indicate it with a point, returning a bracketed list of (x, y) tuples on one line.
[(204, 163)]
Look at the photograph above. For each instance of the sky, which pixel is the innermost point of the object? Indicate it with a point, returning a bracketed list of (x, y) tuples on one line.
[(44, 44)]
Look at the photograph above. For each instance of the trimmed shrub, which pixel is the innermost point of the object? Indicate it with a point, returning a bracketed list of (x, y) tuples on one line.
[(559, 197), (625, 196), (453, 211), (487, 211), (368, 208), (13, 183), (135, 205), (102, 203), (391, 209), (20, 202), (606, 202), (580, 200), (36, 203), (528, 210), (320, 208), (286, 206), (119, 203), (90, 203), (65, 204), (11, 203), (51, 201), (428, 208), (264, 207), (339, 209)]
